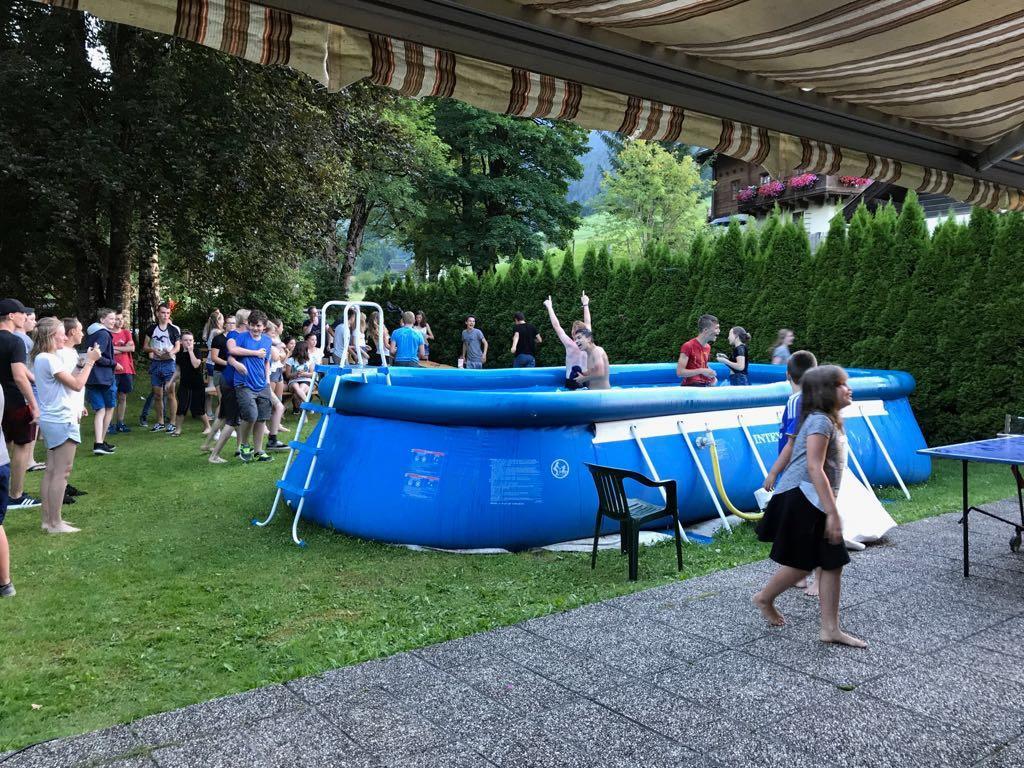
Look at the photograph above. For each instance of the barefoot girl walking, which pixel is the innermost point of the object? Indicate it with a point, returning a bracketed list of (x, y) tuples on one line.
[(801, 520)]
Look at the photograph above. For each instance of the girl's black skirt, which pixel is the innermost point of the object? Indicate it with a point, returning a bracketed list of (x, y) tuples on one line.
[(796, 530)]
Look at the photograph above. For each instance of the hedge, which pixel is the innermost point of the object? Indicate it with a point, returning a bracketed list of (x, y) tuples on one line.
[(878, 293)]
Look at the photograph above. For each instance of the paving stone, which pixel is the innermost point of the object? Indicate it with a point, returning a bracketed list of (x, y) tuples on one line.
[(988, 706), (296, 741), (854, 731), (457, 653), (687, 722), (144, 761), (218, 715), (1005, 639), (524, 743), (99, 746), (736, 682), (566, 666), (453, 706), (760, 751), (1006, 756), (982, 660), (515, 686), (613, 740), (218, 750), (836, 664), (446, 756), (920, 623), (381, 724), (726, 617)]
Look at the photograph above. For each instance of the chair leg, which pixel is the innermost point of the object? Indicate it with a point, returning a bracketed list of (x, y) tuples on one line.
[(679, 543), (623, 533), (634, 552), (597, 534)]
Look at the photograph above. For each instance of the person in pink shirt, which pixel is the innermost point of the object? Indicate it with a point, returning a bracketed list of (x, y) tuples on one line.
[(124, 371)]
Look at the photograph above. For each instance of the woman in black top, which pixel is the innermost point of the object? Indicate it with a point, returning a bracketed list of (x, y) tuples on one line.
[(737, 361)]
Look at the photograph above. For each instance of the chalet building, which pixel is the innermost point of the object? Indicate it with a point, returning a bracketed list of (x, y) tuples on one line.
[(747, 191)]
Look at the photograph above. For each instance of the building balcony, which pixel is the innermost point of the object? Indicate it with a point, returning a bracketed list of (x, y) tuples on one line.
[(822, 190)]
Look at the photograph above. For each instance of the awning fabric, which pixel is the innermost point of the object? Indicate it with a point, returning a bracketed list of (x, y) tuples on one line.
[(954, 65), (338, 56)]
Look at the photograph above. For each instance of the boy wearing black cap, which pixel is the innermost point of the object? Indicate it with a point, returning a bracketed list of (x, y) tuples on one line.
[(20, 409)]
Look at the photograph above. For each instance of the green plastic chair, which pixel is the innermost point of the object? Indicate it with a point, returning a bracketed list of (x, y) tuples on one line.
[(632, 514)]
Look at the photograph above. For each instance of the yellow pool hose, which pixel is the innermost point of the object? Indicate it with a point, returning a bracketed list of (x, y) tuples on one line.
[(753, 516)]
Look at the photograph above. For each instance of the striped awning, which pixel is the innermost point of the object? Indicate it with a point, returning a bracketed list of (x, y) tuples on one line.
[(954, 65), (772, 35)]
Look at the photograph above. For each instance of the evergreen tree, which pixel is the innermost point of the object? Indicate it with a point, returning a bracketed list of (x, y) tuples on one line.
[(1000, 333), (611, 318), (782, 302), (862, 256), (701, 252), (663, 320), (925, 322), (567, 285), (830, 287), (723, 278), (629, 344)]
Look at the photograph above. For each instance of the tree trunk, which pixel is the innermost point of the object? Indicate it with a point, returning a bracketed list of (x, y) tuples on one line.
[(354, 240), (149, 274), (119, 267)]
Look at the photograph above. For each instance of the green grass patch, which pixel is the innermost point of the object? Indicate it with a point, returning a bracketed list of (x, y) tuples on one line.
[(169, 596)]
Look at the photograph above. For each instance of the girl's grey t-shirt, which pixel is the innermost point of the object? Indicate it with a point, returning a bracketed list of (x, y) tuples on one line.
[(835, 455)]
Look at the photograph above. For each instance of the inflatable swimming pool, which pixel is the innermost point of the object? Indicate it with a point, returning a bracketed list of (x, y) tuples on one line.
[(463, 459)]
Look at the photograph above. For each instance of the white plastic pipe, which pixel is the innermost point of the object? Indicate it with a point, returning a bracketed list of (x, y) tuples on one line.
[(654, 473), (885, 453)]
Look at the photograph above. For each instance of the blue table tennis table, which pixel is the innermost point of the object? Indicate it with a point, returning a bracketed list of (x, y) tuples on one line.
[(1005, 449)]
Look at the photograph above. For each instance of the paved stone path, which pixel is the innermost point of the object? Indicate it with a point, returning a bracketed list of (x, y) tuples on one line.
[(681, 675)]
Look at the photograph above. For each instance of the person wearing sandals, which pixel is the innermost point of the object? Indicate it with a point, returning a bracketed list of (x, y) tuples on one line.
[(59, 413)]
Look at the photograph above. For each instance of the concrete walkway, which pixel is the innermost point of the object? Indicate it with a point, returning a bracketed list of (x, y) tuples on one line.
[(681, 675)]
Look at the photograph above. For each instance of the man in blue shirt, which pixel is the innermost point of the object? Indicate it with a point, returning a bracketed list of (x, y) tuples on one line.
[(407, 344), (250, 356)]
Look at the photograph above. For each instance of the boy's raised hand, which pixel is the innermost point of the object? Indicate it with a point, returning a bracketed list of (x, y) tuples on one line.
[(547, 302), (584, 299)]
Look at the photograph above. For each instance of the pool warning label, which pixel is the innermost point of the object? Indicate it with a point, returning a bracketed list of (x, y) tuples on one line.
[(423, 477)]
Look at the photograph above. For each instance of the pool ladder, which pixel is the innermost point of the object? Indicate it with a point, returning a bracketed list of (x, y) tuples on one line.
[(299, 446), (326, 411)]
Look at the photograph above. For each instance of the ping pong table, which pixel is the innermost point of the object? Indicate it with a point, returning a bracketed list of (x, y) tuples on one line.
[(1004, 449)]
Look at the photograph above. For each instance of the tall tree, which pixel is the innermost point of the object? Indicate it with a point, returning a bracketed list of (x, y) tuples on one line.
[(503, 192), (830, 288), (653, 199)]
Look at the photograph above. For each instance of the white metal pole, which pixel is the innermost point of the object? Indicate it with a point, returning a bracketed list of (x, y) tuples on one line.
[(885, 453), (654, 473)]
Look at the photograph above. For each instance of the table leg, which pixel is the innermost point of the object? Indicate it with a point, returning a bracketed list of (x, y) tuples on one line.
[(966, 507)]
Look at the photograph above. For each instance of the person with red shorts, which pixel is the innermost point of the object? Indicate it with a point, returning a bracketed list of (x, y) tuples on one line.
[(693, 366), (20, 409)]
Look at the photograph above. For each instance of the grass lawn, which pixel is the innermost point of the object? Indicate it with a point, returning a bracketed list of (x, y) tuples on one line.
[(170, 597)]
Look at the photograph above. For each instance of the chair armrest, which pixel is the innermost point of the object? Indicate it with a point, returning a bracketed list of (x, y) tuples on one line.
[(629, 474)]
